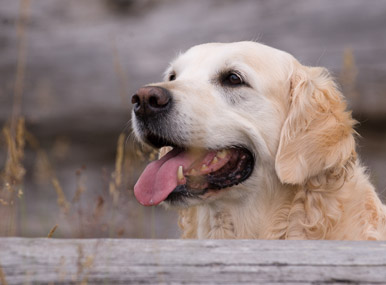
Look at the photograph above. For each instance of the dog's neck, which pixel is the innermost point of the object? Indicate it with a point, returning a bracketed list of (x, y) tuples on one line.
[(258, 214), (279, 211)]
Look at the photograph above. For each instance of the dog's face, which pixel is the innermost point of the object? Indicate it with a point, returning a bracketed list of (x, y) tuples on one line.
[(222, 108)]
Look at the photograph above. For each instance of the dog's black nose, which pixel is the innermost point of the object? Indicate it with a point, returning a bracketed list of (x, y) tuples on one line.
[(150, 101)]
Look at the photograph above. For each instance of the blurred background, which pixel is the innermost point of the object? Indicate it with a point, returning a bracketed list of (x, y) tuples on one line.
[(68, 68)]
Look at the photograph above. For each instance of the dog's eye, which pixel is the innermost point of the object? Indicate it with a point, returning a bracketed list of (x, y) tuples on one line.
[(172, 76), (233, 79)]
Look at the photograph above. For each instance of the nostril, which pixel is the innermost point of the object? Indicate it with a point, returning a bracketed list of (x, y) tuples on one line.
[(135, 99), (158, 101), (153, 102)]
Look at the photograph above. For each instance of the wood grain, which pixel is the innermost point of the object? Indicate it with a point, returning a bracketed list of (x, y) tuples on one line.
[(117, 261)]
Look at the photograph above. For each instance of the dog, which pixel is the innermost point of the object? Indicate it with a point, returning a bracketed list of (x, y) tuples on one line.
[(254, 145)]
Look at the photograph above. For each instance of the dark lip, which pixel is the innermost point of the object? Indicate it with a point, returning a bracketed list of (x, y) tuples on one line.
[(181, 193), (216, 181), (157, 141)]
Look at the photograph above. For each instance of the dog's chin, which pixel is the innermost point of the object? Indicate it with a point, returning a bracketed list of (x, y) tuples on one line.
[(192, 175)]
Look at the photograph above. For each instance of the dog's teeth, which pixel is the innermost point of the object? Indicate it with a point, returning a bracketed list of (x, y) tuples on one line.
[(193, 172), (222, 154), (215, 160), (180, 173), (204, 167)]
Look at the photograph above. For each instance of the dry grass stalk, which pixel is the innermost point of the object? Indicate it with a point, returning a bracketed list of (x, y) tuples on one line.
[(119, 160), (14, 134), (98, 211), (17, 137), (52, 231), (14, 170), (12, 177), (20, 136), (32, 140), (13, 173), (20, 69), (145, 153), (349, 74), (128, 167), (116, 183), (62, 201), (43, 170), (114, 193), (3, 281), (153, 155), (139, 154), (80, 185)]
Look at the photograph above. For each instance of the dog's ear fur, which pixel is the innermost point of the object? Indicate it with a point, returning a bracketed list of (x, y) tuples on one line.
[(317, 134)]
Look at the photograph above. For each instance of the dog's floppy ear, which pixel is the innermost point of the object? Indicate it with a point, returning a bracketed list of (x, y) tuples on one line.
[(317, 134)]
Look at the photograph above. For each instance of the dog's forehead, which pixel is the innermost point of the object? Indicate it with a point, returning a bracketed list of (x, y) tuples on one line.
[(213, 56)]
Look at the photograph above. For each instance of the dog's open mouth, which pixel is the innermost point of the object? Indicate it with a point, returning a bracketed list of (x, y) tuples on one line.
[(191, 173)]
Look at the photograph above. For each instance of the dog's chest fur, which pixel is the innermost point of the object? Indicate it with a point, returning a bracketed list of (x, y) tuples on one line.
[(303, 214)]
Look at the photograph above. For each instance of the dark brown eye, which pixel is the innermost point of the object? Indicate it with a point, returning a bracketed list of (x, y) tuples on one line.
[(233, 79), (172, 76)]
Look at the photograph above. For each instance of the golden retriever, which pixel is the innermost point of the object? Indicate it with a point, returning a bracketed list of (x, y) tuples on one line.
[(262, 148)]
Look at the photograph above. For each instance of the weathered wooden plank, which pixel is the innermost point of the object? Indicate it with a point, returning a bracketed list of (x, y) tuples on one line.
[(113, 261)]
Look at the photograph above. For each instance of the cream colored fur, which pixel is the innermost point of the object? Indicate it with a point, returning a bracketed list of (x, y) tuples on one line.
[(308, 182)]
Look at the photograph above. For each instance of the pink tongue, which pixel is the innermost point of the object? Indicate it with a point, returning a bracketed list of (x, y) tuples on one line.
[(159, 178)]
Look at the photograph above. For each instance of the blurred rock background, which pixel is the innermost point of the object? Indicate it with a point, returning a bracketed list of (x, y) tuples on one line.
[(73, 64)]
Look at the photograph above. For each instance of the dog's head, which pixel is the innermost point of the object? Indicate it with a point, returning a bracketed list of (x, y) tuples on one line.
[(231, 111)]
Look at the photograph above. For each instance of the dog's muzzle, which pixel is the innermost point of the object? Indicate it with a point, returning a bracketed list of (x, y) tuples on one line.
[(188, 171)]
